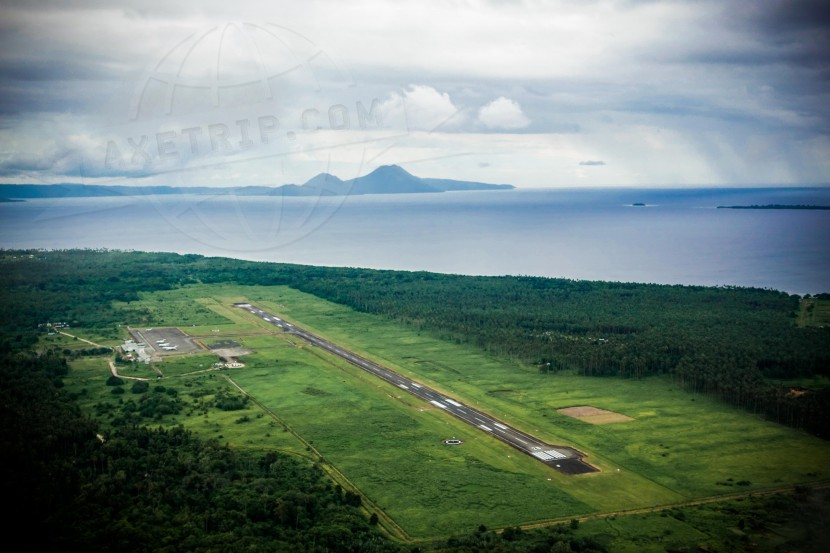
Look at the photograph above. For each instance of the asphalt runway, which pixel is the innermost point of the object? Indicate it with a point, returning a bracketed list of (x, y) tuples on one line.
[(562, 458)]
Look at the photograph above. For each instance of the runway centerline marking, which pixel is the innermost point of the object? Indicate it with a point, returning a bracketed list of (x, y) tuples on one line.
[(514, 437)]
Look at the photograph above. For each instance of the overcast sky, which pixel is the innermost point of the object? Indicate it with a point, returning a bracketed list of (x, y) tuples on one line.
[(531, 93)]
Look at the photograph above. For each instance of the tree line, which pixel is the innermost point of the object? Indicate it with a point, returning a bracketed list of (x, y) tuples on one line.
[(139, 489), (135, 488), (735, 343), (73, 488)]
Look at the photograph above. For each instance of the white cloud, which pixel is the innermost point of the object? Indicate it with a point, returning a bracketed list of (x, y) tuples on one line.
[(503, 113), (425, 108), (738, 88)]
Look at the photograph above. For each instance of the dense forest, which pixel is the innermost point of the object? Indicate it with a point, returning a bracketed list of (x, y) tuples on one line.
[(739, 344), (138, 489), (135, 488), (735, 343)]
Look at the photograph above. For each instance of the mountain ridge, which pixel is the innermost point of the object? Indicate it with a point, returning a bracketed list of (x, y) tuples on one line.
[(386, 179)]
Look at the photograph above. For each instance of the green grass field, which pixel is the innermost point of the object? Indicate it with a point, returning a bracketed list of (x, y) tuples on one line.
[(814, 312), (753, 523), (389, 445)]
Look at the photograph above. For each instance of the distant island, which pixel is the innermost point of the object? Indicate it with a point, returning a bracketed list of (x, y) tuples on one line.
[(774, 206), (7, 200), (387, 179), (638, 204)]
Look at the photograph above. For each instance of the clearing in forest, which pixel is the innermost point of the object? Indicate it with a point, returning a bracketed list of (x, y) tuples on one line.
[(593, 415), (814, 312)]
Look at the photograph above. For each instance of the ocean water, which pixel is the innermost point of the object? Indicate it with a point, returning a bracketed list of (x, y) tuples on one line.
[(678, 237)]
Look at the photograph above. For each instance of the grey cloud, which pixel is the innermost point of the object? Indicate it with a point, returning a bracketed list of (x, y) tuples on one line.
[(52, 70), (796, 15), (25, 162), (786, 31), (728, 70), (26, 97)]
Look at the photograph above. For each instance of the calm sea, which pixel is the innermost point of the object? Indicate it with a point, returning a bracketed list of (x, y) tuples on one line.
[(678, 237)]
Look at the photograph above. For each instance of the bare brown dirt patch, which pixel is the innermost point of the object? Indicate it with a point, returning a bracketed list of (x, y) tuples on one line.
[(229, 353), (592, 415)]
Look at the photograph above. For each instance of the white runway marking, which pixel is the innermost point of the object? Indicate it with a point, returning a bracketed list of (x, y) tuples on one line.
[(548, 455)]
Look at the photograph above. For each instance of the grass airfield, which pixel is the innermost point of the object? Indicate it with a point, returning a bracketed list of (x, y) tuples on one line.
[(678, 446)]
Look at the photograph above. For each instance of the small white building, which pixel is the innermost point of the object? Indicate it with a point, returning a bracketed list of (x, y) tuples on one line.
[(138, 349)]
